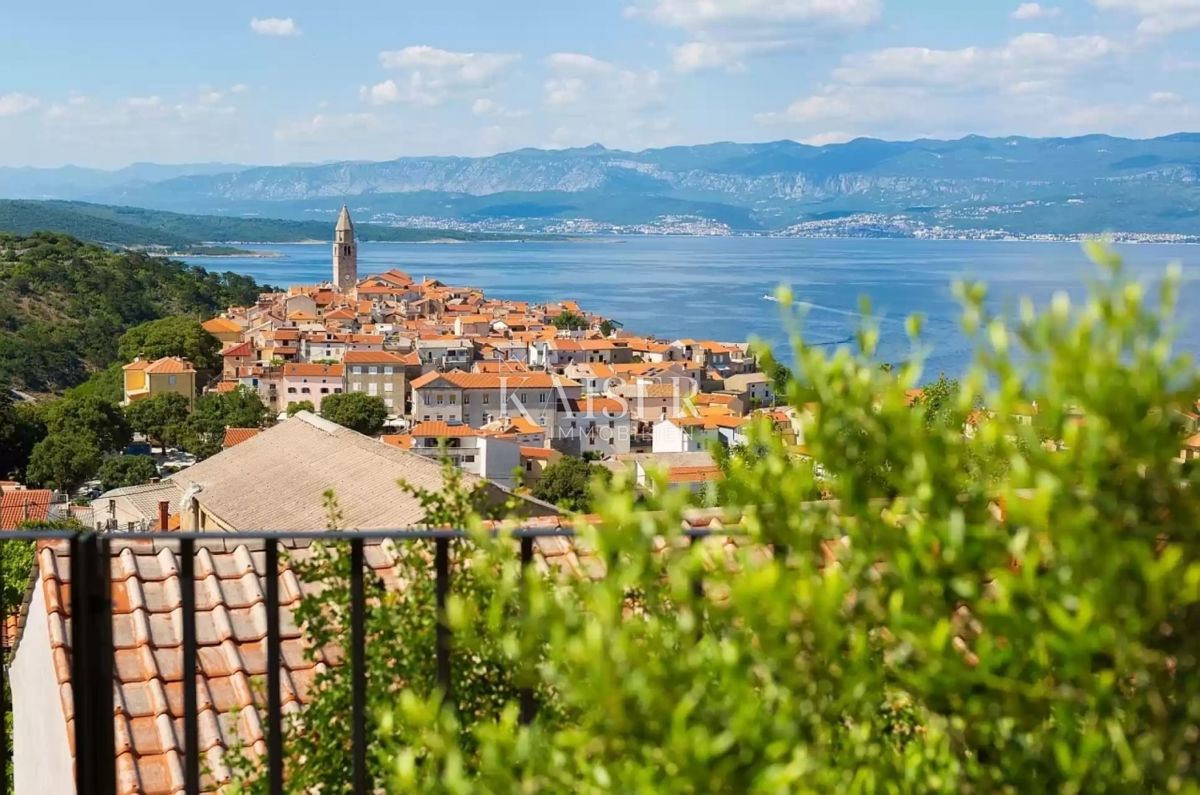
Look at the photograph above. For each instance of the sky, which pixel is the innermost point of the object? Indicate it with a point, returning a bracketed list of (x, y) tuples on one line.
[(285, 81)]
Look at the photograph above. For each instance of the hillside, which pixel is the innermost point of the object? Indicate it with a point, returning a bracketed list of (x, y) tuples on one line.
[(1137, 185), (133, 226), (64, 304)]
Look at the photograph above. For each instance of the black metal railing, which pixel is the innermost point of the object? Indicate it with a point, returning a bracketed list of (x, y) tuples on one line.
[(93, 653)]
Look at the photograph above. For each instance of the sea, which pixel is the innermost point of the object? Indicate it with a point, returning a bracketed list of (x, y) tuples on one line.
[(723, 287)]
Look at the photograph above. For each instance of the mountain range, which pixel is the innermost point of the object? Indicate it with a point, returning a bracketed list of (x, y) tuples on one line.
[(1086, 184)]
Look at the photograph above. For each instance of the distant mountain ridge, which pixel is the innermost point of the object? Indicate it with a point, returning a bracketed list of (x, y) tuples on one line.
[(1090, 183)]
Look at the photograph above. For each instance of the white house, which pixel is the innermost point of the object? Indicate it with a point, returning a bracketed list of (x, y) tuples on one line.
[(696, 434), (468, 449), (594, 425)]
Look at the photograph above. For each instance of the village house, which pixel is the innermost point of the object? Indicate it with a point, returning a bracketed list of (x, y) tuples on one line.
[(593, 427), (226, 330), (311, 382), (468, 449), (478, 398), (444, 353), (753, 388), (517, 430), (235, 357), (379, 373), (144, 380), (696, 434), (323, 346)]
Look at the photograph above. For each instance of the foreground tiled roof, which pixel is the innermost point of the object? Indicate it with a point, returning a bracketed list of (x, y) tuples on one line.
[(22, 505), (235, 436)]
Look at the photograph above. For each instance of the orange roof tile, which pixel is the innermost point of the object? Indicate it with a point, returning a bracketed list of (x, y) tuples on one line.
[(225, 387), (169, 365), (514, 426), (693, 474), (239, 349), (23, 505), (221, 325), (498, 366), (235, 436), (493, 381), (442, 429), (543, 453), (596, 406), (401, 440), (136, 365), (375, 357)]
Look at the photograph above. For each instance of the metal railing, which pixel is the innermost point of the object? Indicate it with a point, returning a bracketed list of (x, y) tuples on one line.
[(93, 653)]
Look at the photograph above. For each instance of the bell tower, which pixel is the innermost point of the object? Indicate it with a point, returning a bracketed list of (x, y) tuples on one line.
[(345, 253)]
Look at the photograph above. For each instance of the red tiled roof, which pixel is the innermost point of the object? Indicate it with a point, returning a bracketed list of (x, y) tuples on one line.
[(170, 364), (693, 474), (543, 453), (225, 387), (221, 325), (241, 349), (23, 505), (401, 440), (235, 436), (439, 429), (328, 370), (493, 380), (374, 357)]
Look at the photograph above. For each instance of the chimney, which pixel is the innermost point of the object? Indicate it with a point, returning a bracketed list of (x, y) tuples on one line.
[(155, 481), (164, 514)]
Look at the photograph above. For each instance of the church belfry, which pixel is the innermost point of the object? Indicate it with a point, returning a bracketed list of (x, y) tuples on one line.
[(345, 253)]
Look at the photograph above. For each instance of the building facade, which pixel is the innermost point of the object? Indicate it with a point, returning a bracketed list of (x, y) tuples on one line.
[(345, 253)]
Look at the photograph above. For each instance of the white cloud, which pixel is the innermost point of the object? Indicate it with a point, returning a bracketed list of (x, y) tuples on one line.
[(240, 88), (1164, 98), (16, 104), (487, 107), (916, 90), (827, 138), (274, 26), (434, 75), (583, 80), (328, 127), (210, 97), (722, 34), (1035, 11), (1158, 17)]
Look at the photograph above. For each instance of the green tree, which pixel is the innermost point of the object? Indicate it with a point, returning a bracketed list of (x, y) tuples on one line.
[(21, 427), (64, 460), (203, 434), (123, 471), (107, 384), (570, 482), (160, 418), (92, 416), (172, 336), (607, 327), (302, 405), (357, 411), (570, 321)]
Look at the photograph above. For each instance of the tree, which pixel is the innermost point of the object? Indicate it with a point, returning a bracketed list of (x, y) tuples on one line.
[(160, 418), (64, 460), (357, 411), (172, 336), (569, 321), (107, 384), (303, 405), (123, 471), (21, 427), (607, 327), (569, 483), (90, 415), (203, 434)]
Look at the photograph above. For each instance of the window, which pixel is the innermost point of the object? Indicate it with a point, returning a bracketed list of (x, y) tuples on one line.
[(171, 380), (541, 397), (389, 387), (425, 418), (486, 399), (372, 388), (291, 390), (387, 402), (528, 465), (337, 390), (466, 398), (470, 459), (324, 390), (454, 400), (388, 370), (356, 386), (305, 390), (425, 399), (441, 399), (373, 370), (440, 418), (358, 369)]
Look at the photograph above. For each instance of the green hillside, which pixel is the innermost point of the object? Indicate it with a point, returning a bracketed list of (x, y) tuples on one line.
[(64, 304), (134, 226)]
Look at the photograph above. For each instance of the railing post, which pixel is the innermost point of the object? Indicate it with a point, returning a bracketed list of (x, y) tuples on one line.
[(274, 690), (191, 737), (528, 702), (442, 568), (698, 597), (358, 668)]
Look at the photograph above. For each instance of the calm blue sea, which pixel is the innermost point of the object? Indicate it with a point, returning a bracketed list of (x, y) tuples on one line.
[(714, 288)]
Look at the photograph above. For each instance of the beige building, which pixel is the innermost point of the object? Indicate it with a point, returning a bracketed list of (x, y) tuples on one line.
[(224, 329), (477, 399), (379, 373), (145, 379)]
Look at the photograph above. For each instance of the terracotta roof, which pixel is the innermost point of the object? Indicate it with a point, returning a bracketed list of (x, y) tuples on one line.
[(442, 429), (374, 357), (650, 390), (221, 325), (136, 364), (693, 474), (225, 387), (170, 365), (513, 426), (24, 505), (401, 440), (596, 406), (1193, 443), (543, 453), (300, 370), (239, 349), (235, 436), (463, 380), (499, 366)]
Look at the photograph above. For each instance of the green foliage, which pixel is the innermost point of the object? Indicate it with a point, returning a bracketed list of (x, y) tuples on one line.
[(21, 427), (570, 321), (160, 418), (123, 471), (204, 431), (357, 411), (64, 460), (92, 416), (302, 405), (107, 384), (607, 327), (64, 304), (171, 336), (570, 483)]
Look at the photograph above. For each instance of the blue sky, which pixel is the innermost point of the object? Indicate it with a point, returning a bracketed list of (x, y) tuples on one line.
[(279, 81)]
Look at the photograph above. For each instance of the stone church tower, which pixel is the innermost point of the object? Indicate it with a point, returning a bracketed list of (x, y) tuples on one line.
[(345, 253)]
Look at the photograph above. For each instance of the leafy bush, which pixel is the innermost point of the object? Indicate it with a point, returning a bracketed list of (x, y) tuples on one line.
[(160, 418), (203, 433), (302, 405), (569, 483), (171, 336), (357, 411), (972, 612), (123, 471)]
